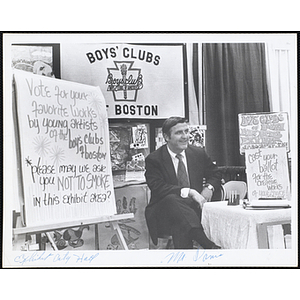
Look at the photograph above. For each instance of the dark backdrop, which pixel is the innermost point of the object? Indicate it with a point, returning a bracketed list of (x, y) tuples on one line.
[(234, 81)]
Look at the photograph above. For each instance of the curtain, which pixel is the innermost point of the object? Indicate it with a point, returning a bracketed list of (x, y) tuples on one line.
[(234, 81), (192, 97)]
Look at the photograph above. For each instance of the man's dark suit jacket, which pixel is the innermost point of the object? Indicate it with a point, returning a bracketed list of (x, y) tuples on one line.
[(162, 181)]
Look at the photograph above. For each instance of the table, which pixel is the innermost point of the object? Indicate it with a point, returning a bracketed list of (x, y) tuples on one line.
[(233, 227)]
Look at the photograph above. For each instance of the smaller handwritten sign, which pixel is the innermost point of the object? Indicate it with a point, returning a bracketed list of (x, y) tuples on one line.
[(263, 130), (267, 174)]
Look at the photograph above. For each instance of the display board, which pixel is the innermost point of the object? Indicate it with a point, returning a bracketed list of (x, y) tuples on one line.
[(267, 174), (137, 81), (64, 146), (263, 130)]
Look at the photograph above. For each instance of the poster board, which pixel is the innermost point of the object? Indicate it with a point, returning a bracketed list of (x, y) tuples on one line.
[(263, 130), (138, 81), (267, 176), (64, 145)]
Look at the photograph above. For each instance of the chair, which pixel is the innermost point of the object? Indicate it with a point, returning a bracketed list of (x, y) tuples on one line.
[(230, 186)]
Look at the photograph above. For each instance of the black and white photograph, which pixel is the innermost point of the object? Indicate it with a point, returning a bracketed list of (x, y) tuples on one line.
[(153, 150)]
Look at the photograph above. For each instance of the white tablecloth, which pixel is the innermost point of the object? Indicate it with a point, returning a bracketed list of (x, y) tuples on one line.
[(233, 227)]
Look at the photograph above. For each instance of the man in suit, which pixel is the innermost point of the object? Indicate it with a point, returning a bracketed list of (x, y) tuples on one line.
[(176, 184)]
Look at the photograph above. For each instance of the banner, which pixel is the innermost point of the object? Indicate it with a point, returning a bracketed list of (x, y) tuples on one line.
[(263, 130), (64, 144), (137, 81)]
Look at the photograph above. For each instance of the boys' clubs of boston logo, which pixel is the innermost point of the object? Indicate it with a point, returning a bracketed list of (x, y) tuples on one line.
[(124, 81)]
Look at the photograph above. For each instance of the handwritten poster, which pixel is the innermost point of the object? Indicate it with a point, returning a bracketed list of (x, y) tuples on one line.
[(64, 143), (263, 130), (267, 174)]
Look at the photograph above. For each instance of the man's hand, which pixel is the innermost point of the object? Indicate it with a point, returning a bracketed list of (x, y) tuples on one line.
[(197, 197), (207, 194)]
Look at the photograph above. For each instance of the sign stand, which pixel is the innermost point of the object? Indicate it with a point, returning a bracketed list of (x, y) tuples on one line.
[(112, 220), (63, 152)]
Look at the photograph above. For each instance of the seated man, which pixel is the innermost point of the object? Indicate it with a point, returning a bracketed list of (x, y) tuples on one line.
[(174, 174)]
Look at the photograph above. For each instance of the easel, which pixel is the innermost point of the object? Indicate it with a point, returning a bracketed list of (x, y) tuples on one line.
[(26, 94), (112, 220)]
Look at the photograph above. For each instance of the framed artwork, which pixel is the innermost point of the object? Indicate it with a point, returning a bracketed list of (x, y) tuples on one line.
[(41, 59), (129, 145)]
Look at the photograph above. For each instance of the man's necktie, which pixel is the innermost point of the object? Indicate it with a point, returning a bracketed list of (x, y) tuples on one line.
[(182, 177)]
